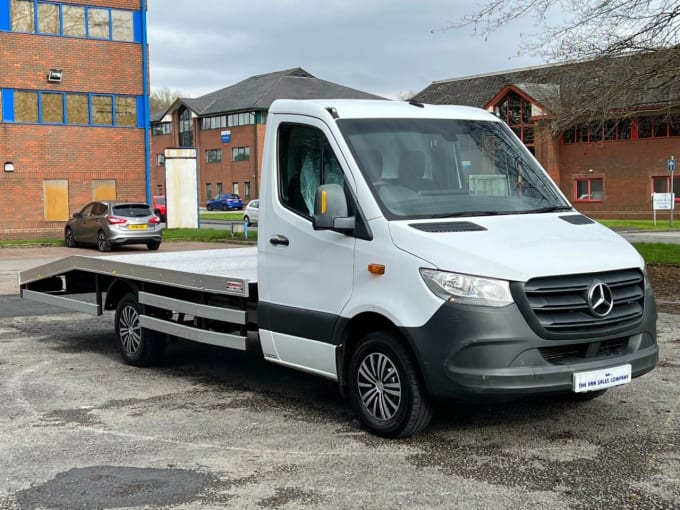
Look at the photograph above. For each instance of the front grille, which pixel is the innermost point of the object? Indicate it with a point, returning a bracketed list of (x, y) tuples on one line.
[(557, 307), (568, 354)]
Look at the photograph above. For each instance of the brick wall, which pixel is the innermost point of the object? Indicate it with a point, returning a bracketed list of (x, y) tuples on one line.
[(78, 154)]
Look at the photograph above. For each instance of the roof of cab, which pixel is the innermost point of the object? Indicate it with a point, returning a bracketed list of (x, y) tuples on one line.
[(358, 109)]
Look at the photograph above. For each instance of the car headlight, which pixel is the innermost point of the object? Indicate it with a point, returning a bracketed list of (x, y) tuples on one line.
[(466, 289)]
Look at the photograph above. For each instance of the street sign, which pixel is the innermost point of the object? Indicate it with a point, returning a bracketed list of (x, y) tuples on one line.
[(671, 165)]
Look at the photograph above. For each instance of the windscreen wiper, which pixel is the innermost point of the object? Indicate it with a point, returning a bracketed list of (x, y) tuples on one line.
[(470, 213), (554, 208)]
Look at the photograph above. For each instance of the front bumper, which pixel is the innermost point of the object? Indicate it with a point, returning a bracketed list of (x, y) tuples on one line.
[(472, 352)]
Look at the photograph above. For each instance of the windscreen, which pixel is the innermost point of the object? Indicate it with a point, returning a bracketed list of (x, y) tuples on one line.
[(438, 168)]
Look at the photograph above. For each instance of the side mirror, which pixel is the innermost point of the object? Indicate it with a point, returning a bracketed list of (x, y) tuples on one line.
[(330, 209), (76, 215)]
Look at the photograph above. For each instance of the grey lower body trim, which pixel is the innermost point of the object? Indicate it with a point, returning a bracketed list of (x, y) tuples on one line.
[(197, 335), (62, 301)]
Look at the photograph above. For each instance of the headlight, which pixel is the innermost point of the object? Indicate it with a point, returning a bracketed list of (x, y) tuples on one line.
[(466, 289)]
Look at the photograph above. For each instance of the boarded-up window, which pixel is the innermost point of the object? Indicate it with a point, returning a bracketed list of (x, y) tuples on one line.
[(122, 25), (52, 108), (98, 23), (26, 106), (73, 19), (126, 111), (56, 199), (104, 189), (102, 110), (48, 18), (22, 15), (77, 109)]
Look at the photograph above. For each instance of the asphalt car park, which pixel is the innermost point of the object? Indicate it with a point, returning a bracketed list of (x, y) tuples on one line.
[(214, 428)]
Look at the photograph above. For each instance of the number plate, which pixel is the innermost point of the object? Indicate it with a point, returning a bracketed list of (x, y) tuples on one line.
[(600, 379), (138, 227)]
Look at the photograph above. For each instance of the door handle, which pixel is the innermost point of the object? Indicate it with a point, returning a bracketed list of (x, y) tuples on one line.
[(279, 240)]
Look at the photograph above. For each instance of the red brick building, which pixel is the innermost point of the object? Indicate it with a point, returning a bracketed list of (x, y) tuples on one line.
[(227, 129), (73, 110), (607, 167)]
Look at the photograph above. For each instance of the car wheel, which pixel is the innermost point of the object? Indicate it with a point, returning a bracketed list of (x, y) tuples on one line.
[(225, 207), (138, 347), (153, 245), (69, 238), (103, 244), (385, 387), (208, 207), (246, 220)]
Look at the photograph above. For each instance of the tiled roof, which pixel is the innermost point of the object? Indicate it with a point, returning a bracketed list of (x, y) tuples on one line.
[(258, 92)]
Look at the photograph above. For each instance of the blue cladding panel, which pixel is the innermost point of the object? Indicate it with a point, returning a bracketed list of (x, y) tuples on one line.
[(7, 105), (137, 21), (4, 15), (141, 120)]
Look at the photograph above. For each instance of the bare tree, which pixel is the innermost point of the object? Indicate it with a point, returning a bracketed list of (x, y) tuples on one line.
[(161, 99), (625, 52)]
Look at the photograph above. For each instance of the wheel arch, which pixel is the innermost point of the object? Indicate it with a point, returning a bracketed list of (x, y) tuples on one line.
[(355, 330), (117, 289)]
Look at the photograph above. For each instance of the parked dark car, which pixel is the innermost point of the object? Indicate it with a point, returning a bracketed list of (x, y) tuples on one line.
[(224, 202), (105, 224)]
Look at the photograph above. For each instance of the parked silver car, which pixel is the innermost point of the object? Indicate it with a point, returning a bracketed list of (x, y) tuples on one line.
[(106, 223), (252, 212)]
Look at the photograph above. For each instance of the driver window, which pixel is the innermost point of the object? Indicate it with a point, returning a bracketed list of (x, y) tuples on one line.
[(306, 161)]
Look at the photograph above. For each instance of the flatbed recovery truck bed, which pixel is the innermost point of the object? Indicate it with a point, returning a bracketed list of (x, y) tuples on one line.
[(202, 295)]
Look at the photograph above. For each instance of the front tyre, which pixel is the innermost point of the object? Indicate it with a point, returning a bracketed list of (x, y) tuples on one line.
[(138, 347), (103, 244), (69, 238), (385, 388)]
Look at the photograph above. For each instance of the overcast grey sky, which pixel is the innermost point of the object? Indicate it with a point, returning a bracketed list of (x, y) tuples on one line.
[(385, 47)]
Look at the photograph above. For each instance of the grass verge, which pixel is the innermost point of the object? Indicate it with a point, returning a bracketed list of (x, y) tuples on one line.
[(659, 253), (640, 224)]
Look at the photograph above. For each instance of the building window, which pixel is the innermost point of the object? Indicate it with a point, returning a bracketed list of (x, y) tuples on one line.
[(231, 120), (162, 128), (48, 18), (516, 112), (52, 107), (219, 188), (234, 187), (126, 111), (589, 190), (22, 16), (213, 156), (104, 189), (102, 110), (208, 190), (74, 21), (240, 154), (25, 106), (662, 184), (160, 159), (55, 198), (246, 189), (186, 135), (159, 189), (77, 109)]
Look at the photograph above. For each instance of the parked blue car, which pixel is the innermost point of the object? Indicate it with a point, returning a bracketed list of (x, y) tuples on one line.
[(224, 202)]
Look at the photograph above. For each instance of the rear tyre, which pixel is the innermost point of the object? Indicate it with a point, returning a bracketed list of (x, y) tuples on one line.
[(69, 238), (385, 388), (246, 220), (138, 347), (153, 246), (102, 243), (225, 207)]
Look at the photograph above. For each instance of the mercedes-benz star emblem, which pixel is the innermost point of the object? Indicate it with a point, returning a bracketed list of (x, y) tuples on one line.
[(600, 299)]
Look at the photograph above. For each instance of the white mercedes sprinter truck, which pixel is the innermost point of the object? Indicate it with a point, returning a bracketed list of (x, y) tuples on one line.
[(410, 252)]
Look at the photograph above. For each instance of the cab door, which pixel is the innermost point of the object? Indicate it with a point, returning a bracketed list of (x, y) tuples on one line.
[(305, 277)]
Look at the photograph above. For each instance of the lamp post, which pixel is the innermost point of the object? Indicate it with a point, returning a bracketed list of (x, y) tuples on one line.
[(671, 169)]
